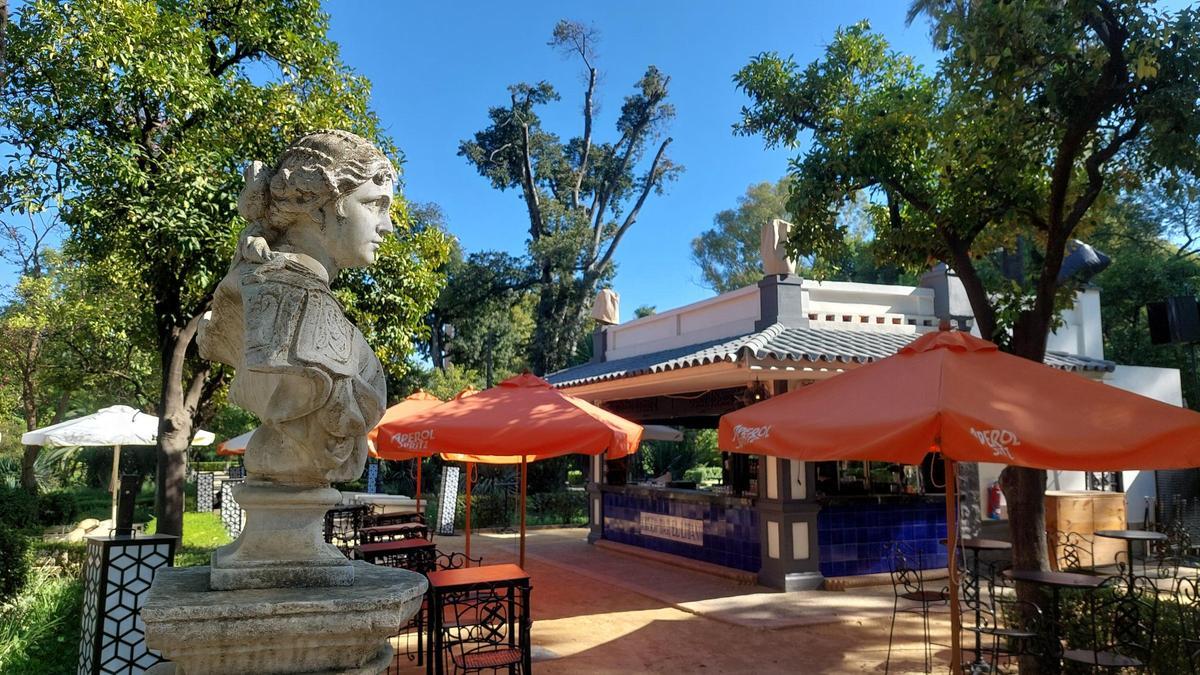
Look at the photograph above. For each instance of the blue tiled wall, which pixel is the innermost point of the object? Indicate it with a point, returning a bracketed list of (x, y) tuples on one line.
[(730, 532), (853, 539)]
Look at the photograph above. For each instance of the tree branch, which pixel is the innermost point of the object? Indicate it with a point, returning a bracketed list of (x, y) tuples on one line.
[(587, 135), (652, 179)]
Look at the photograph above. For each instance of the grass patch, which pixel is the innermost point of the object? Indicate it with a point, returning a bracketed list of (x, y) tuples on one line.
[(202, 534), (39, 631)]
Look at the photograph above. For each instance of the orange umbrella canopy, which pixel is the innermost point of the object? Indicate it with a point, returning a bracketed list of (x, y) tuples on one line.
[(522, 415), (415, 402), (960, 394)]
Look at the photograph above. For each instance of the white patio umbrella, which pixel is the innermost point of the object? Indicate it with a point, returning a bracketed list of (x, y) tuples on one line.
[(116, 425)]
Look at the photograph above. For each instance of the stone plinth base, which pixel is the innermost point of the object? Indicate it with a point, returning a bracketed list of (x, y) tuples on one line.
[(282, 542), (339, 629)]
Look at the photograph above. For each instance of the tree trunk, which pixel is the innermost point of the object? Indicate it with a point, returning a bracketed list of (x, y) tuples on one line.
[(29, 481), (1025, 489), (170, 475), (177, 413)]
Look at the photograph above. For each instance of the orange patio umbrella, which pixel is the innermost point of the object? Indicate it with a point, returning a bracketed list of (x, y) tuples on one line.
[(383, 449), (957, 394), (519, 420)]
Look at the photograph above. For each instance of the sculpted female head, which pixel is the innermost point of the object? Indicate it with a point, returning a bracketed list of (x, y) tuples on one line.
[(327, 197)]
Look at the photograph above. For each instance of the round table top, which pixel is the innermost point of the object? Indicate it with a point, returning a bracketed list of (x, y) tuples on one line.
[(1132, 535), (985, 544), (1051, 578)]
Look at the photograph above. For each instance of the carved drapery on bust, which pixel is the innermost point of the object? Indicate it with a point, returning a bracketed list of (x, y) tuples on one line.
[(302, 367)]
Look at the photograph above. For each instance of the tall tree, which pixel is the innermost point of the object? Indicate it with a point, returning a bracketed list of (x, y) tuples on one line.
[(581, 196), (143, 112), (61, 336), (728, 253), (1037, 112)]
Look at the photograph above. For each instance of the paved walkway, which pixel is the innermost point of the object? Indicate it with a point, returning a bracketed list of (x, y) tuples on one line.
[(600, 611)]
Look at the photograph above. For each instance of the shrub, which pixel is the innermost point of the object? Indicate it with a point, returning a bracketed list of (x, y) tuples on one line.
[(14, 562), (39, 631), (18, 509), (574, 477), (66, 556), (217, 467), (57, 508), (703, 475)]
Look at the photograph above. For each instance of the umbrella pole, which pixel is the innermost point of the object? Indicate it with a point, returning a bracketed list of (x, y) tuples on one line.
[(468, 518), (419, 462), (524, 466), (952, 564), (116, 481)]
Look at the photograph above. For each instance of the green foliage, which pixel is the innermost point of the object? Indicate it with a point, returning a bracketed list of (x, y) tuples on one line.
[(1152, 260), (704, 475), (67, 556), (211, 466), (39, 631), (1037, 112), (18, 509), (64, 347), (448, 382), (489, 307), (202, 534), (729, 258), (14, 562), (728, 254), (136, 118), (574, 477), (581, 195), (697, 449), (58, 508), (499, 510), (390, 300)]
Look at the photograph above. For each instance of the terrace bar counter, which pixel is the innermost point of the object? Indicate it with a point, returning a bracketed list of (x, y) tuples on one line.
[(700, 524), (792, 523)]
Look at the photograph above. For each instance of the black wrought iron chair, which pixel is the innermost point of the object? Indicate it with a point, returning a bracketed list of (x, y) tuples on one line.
[(1187, 599), (490, 631), (909, 584), (452, 560), (1015, 628), (342, 526), (1070, 551), (1123, 616)]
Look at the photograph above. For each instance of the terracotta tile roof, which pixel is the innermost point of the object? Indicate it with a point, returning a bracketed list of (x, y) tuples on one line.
[(778, 343)]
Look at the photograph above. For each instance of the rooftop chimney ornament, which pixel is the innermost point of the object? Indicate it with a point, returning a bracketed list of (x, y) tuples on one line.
[(606, 309), (773, 248)]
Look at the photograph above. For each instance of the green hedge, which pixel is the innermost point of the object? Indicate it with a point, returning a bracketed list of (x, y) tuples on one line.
[(703, 475), (488, 511), (216, 467), (18, 509), (14, 562), (39, 630)]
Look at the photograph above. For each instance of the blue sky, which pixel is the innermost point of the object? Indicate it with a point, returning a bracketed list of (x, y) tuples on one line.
[(437, 68)]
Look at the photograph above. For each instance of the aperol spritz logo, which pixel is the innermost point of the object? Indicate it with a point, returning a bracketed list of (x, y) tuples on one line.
[(743, 436), (1001, 441), (417, 440)]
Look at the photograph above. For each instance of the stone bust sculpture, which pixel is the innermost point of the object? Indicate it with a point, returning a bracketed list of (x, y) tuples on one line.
[(302, 367)]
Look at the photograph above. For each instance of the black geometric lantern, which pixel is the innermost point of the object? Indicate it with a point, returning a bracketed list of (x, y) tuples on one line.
[(232, 516), (204, 491), (117, 573)]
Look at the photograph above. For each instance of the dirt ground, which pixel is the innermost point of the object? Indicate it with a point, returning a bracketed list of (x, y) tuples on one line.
[(598, 611)]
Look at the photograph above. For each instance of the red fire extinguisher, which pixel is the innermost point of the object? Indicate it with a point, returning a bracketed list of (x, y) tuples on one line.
[(995, 496)]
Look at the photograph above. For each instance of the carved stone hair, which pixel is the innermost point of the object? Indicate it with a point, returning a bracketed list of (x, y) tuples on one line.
[(316, 170)]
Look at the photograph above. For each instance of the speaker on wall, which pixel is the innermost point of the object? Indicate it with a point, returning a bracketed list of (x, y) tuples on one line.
[(1174, 320)]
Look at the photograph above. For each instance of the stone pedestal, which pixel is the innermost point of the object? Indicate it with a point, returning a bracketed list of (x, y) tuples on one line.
[(282, 543), (341, 629)]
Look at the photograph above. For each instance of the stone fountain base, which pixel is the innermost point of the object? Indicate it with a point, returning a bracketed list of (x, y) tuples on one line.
[(338, 629)]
